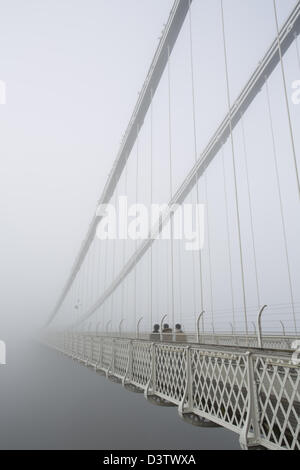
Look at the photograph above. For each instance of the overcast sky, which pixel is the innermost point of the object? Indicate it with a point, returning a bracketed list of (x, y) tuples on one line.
[(73, 70)]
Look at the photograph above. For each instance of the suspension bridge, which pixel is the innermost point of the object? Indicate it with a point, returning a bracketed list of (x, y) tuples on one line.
[(233, 360)]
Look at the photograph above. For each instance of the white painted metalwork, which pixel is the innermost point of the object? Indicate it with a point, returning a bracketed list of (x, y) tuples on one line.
[(265, 68), (138, 327), (198, 325), (254, 394), (259, 329)]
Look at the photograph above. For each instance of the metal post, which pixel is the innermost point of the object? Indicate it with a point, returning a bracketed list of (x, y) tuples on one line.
[(161, 326), (283, 328), (260, 342), (198, 326), (187, 399), (138, 327), (120, 326), (150, 387), (107, 326), (252, 419), (128, 373)]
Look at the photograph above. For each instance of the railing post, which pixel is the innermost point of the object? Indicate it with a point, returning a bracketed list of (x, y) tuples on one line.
[(85, 354), (198, 326), (188, 394), (120, 327), (92, 348), (161, 326), (111, 367), (259, 328), (100, 362), (234, 337), (214, 333), (252, 420), (150, 387), (138, 327), (128, 373), (283, 328)]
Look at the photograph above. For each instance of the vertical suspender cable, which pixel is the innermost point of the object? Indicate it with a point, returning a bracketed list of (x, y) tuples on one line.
[(124, 249), (136, 201), (234, 172), (194, 285), (297, 49), (180, 281), (250, 212), (151, 201), (171, 195), (86, 284), (79, 296), (228, 240), (90, 281), (209, 254), (287, 99), (195, 147), (114, 260), (105, 278), (99, 266), (75, 296), (96, 269), (92, 271), (281, 206)]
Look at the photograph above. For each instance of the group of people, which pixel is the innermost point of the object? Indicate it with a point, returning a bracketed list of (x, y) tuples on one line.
[(167, 333)]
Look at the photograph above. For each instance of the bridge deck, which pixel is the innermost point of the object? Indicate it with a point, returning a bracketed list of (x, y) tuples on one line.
[(255, 393)]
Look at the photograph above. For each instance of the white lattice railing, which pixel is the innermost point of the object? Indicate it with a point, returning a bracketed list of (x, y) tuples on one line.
[(256, 395), (269, 341)]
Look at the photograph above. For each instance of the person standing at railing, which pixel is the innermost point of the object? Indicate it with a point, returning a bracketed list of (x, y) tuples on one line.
[(155, 335), (167, 333), (180, 337)]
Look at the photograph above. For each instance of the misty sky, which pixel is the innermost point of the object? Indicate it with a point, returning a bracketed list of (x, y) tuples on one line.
[(73, 71)]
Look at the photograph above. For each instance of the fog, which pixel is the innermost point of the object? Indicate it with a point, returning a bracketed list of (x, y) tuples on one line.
[(73, 71)]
